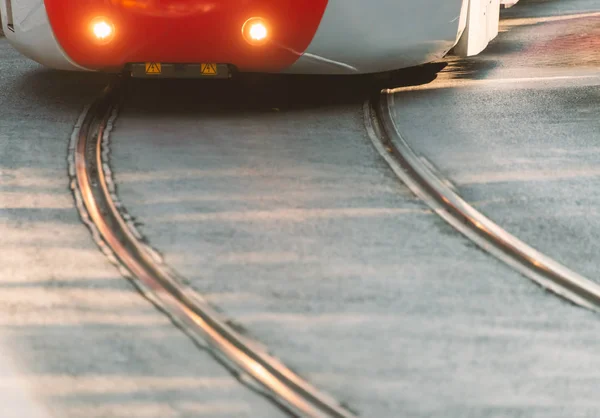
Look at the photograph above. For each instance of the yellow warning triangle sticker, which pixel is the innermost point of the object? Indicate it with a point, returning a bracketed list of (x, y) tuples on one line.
[(153, 68), (208, 69)]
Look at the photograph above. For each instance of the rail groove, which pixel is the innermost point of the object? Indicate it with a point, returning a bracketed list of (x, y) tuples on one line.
[(435, 192), (244, 357)]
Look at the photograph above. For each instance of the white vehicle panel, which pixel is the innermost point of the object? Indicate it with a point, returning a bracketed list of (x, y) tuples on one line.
[(362, 36), (483, 19), (33, 36)]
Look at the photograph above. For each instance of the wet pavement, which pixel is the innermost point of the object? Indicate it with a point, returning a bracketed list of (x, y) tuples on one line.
[(75, 336), (273, 203), (517, 133), (268, 197)]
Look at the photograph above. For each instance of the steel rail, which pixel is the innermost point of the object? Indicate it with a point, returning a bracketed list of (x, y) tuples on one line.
[(489, 236), (243, 356)]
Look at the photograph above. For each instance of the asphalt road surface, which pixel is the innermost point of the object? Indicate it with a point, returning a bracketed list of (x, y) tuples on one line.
[(76, 339), (518, 133), (271, 200), (268, 196)]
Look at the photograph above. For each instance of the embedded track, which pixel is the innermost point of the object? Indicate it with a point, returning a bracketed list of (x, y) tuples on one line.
[(434, 190), (101, 210), (96, 200)]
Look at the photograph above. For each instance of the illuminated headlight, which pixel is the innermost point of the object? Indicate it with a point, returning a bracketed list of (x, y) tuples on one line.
[(256, 31), (102, 30)]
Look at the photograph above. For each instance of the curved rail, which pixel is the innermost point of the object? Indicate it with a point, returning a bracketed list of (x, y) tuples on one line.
[(241, 355), (465, 218)]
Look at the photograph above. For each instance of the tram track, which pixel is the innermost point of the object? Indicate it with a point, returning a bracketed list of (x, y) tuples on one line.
[(540, 337), (434, 190), (100, 209)]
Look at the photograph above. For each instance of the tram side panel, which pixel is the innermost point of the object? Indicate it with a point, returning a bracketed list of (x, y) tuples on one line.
[(29, 32), (482, 23), (356, 37)]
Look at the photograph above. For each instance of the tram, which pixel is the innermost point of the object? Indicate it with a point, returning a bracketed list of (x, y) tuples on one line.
[(212, 38)]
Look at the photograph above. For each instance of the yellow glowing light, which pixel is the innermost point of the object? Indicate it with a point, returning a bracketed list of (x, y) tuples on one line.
[(102, 29), (256, 31)]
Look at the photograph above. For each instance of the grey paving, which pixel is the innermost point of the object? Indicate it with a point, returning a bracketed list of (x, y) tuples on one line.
[(270, 199), (525, 151), (76, 340)]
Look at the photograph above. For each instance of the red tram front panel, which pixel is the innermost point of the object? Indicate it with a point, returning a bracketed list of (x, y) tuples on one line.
[(185, 31)]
